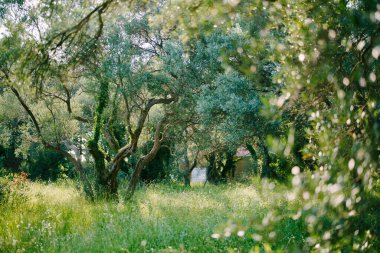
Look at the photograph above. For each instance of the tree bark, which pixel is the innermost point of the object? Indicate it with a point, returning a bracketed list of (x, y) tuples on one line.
[(229, 166), (266, 171), (212, 173), (187, 178), (130, 148), (143, 161)]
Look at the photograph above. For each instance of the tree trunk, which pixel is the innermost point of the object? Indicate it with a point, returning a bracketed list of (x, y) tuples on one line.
[(266, 171), (112, 184), (135, 178), (139, 167), (143, 161), (187, 174), (187, 170), (102, 182), (254, 157), (212, 173), (93, 144), (187, 178), (106, 184), (229, 166)]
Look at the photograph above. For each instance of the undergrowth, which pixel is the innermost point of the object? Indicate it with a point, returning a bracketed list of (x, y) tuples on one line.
[(161, 218)]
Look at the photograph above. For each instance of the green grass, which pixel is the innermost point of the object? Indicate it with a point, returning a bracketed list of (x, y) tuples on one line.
[(56, 218)]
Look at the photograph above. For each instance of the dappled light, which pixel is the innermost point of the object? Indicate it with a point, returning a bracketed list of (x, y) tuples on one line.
[(189, 126)]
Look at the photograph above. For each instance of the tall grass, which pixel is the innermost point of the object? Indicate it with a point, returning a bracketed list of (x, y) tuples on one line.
[(160, 218)]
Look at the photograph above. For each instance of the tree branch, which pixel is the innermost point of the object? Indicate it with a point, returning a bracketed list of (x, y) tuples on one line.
[(130, 148)]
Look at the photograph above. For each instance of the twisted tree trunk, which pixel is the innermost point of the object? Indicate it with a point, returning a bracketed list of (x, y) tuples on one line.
[(143, 161)]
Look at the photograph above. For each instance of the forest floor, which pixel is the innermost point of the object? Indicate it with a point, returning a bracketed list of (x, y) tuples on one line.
[(161, 218)]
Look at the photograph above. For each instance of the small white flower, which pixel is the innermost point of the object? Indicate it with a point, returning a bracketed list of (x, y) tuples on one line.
[(301, 57), (241, 233)]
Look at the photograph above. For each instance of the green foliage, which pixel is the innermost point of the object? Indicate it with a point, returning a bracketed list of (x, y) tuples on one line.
[(235, 115), (158, 169), (281, 167), (12, 189), (10, 140), (4, 189), (40, 163), (45, 164)]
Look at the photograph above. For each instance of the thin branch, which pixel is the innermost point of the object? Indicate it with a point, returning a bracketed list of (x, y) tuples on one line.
[(72, 31)]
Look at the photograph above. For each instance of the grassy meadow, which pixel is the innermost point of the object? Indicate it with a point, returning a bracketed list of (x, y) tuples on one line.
[(161, 218)]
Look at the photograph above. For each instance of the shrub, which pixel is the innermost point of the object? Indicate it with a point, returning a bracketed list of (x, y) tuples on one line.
[(12, 188), (5, 183)]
